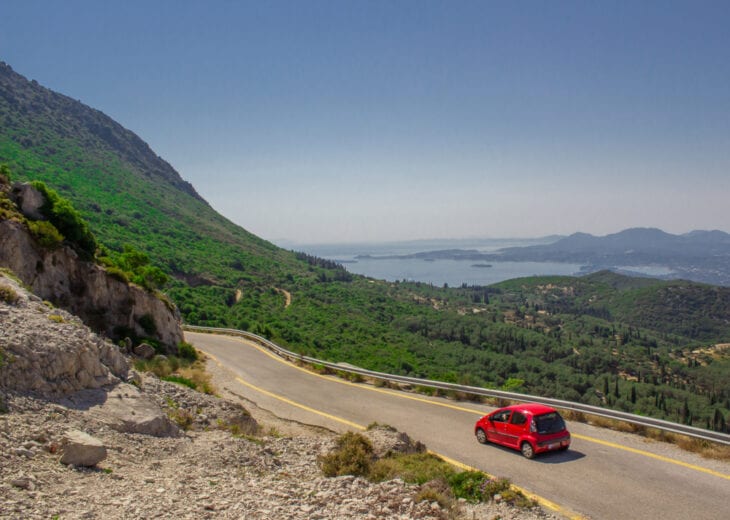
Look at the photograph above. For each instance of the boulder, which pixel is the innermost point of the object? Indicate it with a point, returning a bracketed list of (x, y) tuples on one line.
[(387, 440), (145, 351), (29, 200), (127, 410), (81, 449)]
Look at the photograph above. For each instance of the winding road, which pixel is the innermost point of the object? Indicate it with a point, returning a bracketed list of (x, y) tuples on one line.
[(604, 475)]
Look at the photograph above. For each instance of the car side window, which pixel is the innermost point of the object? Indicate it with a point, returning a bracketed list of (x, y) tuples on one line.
[(518, 419), (501, 416)]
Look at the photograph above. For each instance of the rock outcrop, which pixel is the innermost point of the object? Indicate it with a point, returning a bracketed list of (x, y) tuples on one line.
[(105, 303), (125, 409), (48, 351)]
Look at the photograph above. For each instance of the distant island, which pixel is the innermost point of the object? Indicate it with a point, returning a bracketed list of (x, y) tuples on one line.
[(481, 265), (700, 256)]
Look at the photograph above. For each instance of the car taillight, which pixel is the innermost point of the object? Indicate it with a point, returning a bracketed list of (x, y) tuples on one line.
[(533, 427)]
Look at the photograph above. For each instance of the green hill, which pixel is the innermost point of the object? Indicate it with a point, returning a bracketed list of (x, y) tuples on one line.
[(640, 345)]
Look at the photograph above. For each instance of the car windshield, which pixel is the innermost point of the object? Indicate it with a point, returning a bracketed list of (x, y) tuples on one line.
[(549, 423)]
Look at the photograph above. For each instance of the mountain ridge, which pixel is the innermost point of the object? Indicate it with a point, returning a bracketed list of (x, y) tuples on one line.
[(39, 101)]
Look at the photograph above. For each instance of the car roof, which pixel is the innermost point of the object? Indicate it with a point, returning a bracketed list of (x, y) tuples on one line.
[(531, 408)]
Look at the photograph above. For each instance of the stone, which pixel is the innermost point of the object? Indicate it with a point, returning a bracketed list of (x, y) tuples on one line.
[(81, 449), (127, 410), (29, 200), (144, 350)]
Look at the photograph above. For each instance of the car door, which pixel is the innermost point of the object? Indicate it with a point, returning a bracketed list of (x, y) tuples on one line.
[(515, 429), (498, 425)]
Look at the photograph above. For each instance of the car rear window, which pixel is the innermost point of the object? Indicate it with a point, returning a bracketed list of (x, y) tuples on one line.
[(549, 423)]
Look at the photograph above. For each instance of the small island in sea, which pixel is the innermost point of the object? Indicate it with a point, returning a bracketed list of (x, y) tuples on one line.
[(481, 265)]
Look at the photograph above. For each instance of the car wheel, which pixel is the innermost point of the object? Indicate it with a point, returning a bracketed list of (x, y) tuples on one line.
[(481, 436), (527, 450)]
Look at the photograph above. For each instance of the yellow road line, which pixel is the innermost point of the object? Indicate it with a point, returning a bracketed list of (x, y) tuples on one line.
[(651, 455), (480, 413), (401, 395), (290, 402), (477, 412), (464, 467)]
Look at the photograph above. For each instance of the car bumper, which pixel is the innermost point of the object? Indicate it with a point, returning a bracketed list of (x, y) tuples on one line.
[(553, 444)]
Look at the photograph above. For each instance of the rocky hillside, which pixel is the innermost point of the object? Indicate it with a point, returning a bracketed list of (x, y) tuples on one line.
[(56, 272), (79, 442)]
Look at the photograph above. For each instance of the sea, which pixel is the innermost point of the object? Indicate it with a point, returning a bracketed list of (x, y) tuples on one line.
[(363, 259)]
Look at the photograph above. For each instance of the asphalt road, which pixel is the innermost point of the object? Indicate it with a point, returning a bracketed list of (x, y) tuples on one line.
[(604, 475)]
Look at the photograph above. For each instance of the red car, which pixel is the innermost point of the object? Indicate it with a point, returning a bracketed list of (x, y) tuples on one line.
[(530, 428)]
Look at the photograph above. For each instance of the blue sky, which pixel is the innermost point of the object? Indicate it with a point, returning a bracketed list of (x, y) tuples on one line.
[(343, 121)]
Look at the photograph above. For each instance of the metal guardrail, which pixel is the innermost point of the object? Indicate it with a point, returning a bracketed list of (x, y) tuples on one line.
[(639, 420)]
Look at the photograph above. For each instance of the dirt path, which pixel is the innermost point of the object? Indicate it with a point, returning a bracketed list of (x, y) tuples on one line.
[(287, 296)]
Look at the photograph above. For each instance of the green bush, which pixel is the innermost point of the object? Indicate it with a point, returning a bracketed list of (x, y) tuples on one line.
[(187, 351), (415, 468), (353, 455), (61, 213), (469, 485), (476, 486), (46, 233)]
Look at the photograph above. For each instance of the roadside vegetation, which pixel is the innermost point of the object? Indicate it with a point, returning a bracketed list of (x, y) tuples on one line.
[(187, 368), (440, 482)]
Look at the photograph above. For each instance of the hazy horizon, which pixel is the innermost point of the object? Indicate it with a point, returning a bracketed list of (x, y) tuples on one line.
[(337, 122)]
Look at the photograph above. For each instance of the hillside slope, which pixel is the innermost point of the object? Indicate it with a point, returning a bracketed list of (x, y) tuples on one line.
[(126, 192), (541, 336)]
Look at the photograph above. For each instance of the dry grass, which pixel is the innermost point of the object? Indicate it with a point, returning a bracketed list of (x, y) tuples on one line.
[(8, 294), (198, 375)]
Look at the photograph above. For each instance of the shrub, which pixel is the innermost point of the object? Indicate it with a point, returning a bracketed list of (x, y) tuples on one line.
[(187, 351), (437, 490), (353, 455), (46, 233), (468, 485), (8, 294), (182, 417), (61, 213), (117, 273), (415, 468)]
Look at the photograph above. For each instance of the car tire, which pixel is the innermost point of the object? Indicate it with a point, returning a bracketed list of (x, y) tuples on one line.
[(481, 436), (527, 450)]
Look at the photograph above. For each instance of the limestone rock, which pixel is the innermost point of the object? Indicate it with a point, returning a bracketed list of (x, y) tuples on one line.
[(144, 350), (29, 200), (81, 449), (125, 409), (103, 302), (50, 352), (387, 440)]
